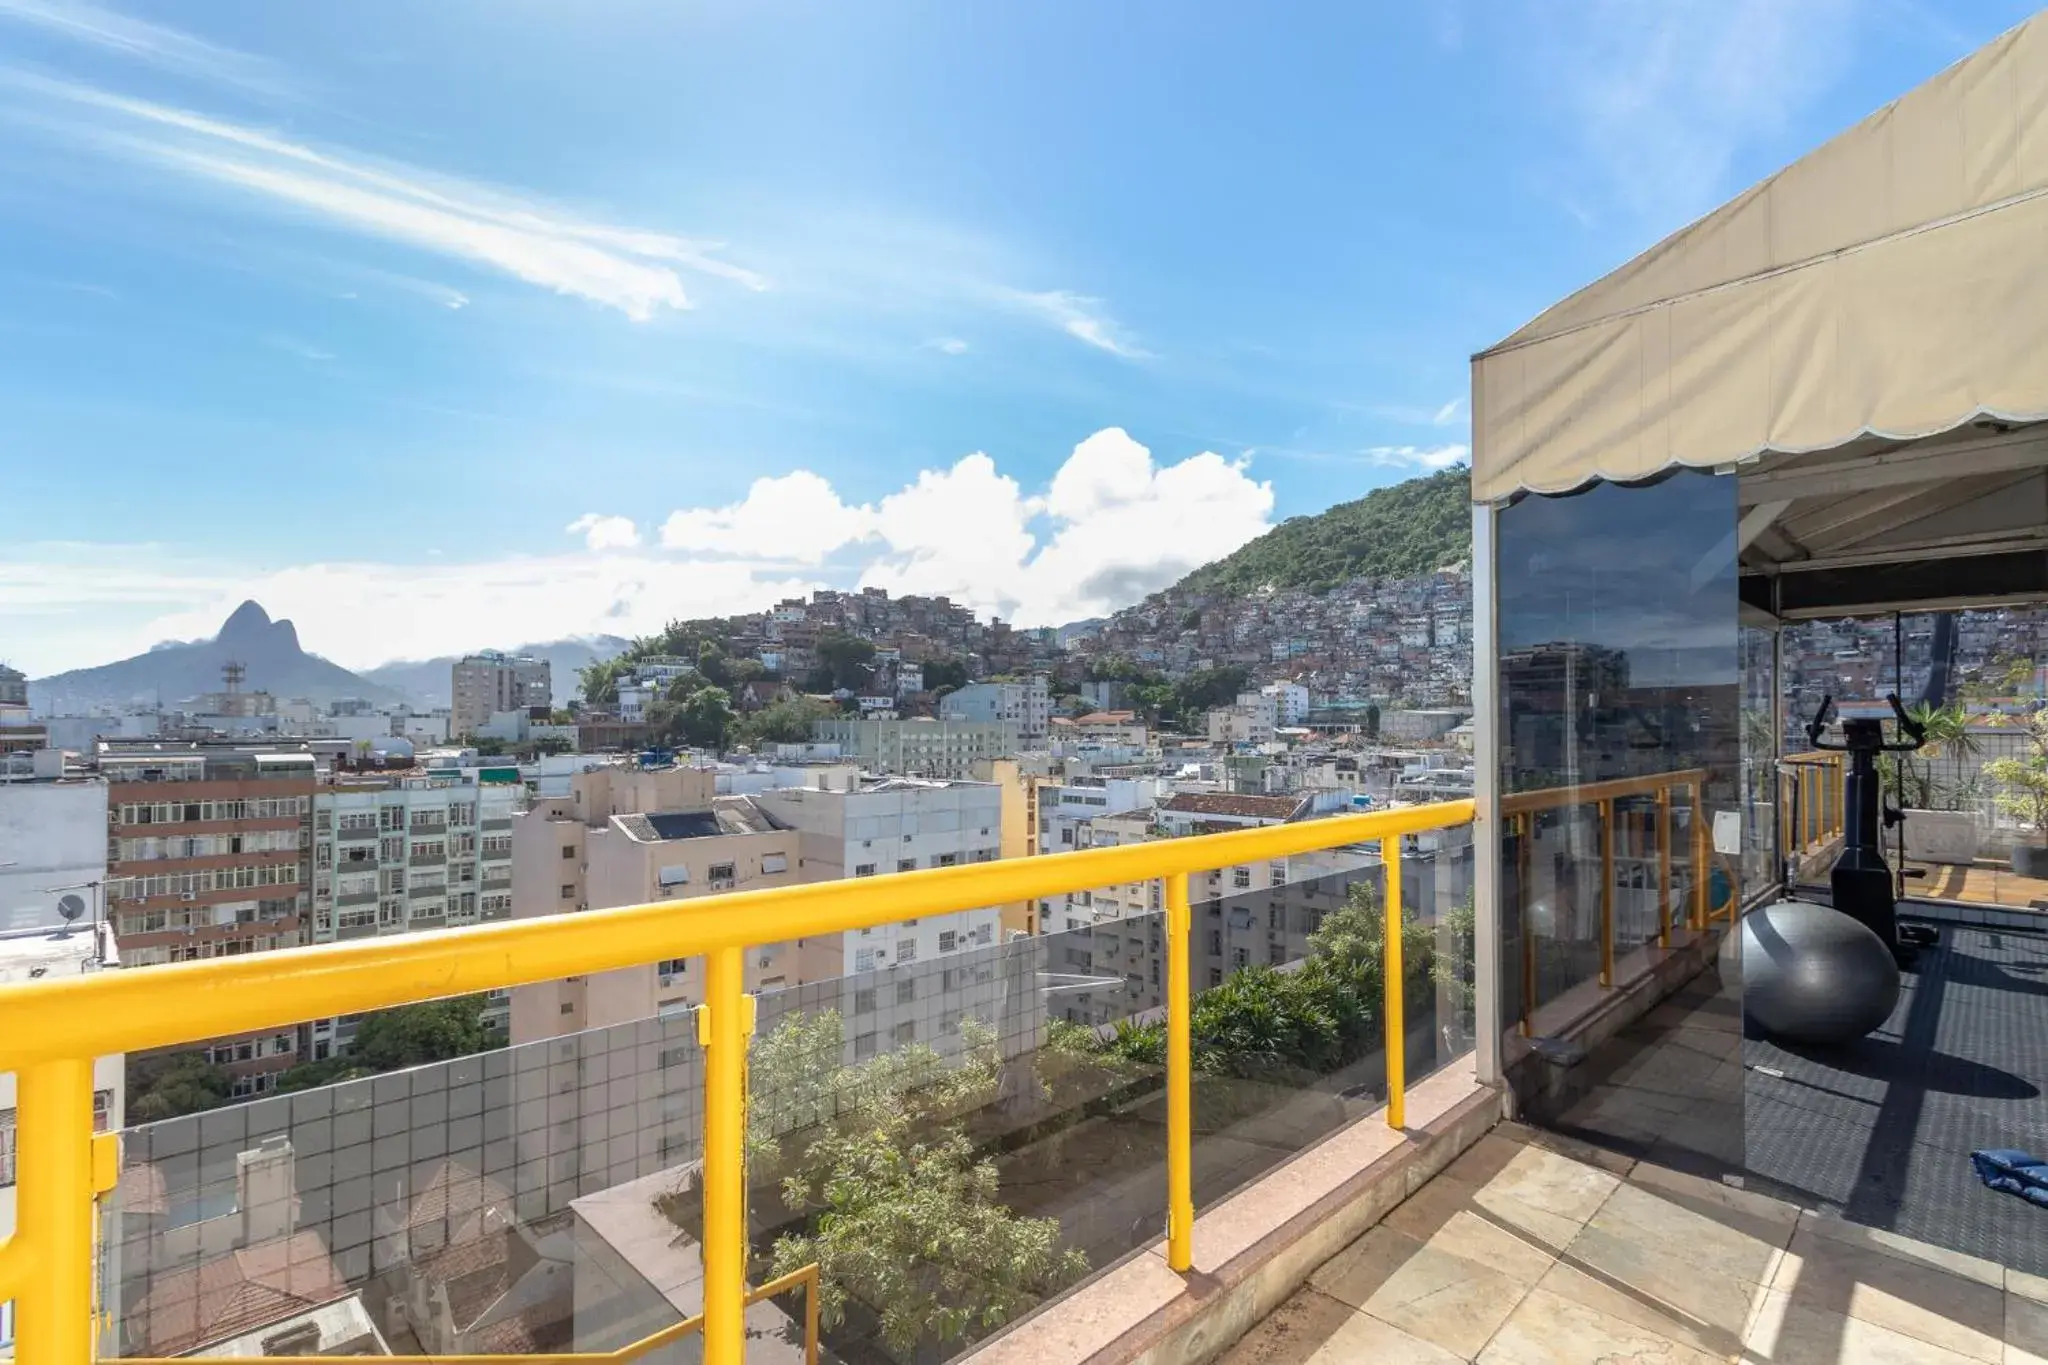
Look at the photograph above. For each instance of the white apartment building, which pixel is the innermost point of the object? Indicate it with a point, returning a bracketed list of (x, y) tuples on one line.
[(628, 836), (405, 853), (1290, 701), (898, 825), (44, 955), (53, 845), (1066, 808), (946, 749), (482, 685), (1025, 705)]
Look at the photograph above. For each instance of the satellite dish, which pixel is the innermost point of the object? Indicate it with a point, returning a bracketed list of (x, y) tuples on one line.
[(71, 907)]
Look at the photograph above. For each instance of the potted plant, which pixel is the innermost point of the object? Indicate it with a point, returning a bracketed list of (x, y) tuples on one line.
[(2022, 792), (1941, 826)]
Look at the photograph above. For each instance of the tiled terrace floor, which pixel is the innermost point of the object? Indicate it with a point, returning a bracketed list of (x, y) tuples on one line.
[(1533, 1250)]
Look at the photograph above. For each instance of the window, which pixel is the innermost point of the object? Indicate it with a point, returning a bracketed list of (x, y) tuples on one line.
[(948, 859), (906, 1032), (1215, 976), (1276, 874), (864, 870), (906, 864), (568, 852), (864, 1001), (568, 892), (906, 991), (568, 1007), (948, 941), (1239, 957), (906, 950), (1240, 877), (1272, 917), (1215, 943), (863, 1047), (984, 933), (670, 968), (775, 862), (722, 874)]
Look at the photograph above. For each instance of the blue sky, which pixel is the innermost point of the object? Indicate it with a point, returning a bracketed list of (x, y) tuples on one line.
[(435, 326)]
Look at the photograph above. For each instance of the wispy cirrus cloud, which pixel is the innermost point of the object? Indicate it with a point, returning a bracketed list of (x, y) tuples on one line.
[(1079, 317), (636, 271), (155, 44)]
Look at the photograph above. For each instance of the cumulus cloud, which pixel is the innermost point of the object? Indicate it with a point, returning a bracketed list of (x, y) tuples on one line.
[(601, 532), (797, 518), (634, 270), (1112, 524)]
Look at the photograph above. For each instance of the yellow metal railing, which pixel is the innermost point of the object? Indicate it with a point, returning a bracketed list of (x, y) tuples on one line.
[(1519, 811), (51, 1030), (1816, 813)]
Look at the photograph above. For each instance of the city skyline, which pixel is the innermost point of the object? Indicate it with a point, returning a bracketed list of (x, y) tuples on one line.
[(557, 356)]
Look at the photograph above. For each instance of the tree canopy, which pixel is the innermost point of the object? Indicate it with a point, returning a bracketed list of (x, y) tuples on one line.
[(173, 1083), (1402, 531), (787, 721)]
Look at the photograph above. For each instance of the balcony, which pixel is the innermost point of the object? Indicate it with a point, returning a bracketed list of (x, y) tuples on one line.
[(1104, 1108)]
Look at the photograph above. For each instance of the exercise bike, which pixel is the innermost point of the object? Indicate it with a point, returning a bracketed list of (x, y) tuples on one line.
[(1861, 880)]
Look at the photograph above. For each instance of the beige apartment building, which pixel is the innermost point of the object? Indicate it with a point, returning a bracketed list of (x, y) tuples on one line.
[(627, 836), (481, 685)]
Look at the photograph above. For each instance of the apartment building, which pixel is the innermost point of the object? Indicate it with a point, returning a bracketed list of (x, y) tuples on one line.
[(627, 836), (1251, 721), (53, 847), (397, 853), (45, 955), (919, 748), (1025, 705), (209, 855), (482, 685), (898, 825)]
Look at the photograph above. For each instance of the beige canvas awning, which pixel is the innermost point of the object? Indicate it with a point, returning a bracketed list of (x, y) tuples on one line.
[(1892, 283)]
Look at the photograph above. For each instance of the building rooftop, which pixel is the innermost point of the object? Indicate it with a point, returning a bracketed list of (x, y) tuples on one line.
[(49, 954), (728, 815), (236, 1293), (1244, 807)]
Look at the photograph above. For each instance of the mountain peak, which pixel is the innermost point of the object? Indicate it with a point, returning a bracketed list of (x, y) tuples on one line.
[(247, 621)]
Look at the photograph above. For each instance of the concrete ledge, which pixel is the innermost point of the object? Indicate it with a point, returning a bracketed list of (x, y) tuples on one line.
[(1589, 1014), (1257, 1247)]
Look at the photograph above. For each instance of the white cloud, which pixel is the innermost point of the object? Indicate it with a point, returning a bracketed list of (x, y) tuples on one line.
[(1448, 413), (797, 518), (948, 345), (1079, 317), (303, 350), (601, 532), (1419, 457), (141, 40), (630, 269), (1111, 525)]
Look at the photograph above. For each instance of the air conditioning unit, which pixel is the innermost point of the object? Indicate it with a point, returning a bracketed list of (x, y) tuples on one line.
[(188, 895)]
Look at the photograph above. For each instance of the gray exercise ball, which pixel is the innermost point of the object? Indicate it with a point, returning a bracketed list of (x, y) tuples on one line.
[(1810, 974)]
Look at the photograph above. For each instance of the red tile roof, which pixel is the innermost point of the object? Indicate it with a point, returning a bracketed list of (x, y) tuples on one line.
[(1244, 807), (238, 1293)]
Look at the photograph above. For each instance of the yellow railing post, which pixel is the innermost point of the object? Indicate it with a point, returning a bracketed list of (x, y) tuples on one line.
[(1525, 830), (1664, 867), (1701, 844), (54, 1213), (1392, 986), (1809, 828), (1180, 1080), (1606, 810), (724, 1021)]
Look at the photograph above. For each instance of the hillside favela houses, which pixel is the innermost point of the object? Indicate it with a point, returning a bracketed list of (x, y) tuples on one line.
[(1689, 726)]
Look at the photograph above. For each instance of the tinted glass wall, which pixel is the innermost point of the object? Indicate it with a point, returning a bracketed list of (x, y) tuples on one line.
[(1620, 749)]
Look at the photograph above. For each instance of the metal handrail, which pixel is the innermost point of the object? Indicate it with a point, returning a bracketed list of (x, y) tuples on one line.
[(51, 1030)]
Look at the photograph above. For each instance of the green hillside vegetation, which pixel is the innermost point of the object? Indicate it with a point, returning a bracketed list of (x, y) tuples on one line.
[(1403, 531)]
